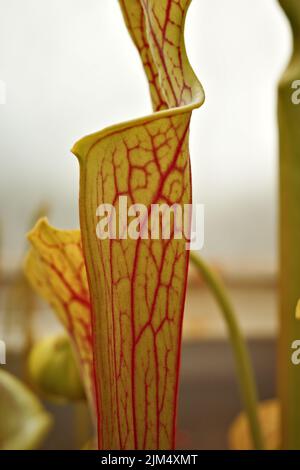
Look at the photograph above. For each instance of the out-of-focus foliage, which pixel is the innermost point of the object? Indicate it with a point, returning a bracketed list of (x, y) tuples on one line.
[(24, 423), (20, 302), (239, 433), (53, 370)]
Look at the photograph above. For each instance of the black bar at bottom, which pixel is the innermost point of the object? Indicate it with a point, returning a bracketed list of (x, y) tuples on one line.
[(148, 459)]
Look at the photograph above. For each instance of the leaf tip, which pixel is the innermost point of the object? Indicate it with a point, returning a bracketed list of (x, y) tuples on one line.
[(41, 224)]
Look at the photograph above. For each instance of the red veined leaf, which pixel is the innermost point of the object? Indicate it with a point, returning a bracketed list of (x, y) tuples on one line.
[(138, 286), (56, 269)]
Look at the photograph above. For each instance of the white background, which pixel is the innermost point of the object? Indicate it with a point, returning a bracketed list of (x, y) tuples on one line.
[(70, 69)]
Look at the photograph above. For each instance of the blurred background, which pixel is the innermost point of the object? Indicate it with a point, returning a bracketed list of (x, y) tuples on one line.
[(70, 69)]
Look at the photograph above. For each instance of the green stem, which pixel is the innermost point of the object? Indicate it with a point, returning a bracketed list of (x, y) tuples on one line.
[(289, 236), (243, 363)]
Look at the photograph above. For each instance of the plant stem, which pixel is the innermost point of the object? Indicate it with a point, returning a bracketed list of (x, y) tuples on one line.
[(289, 236), (243, 363)]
